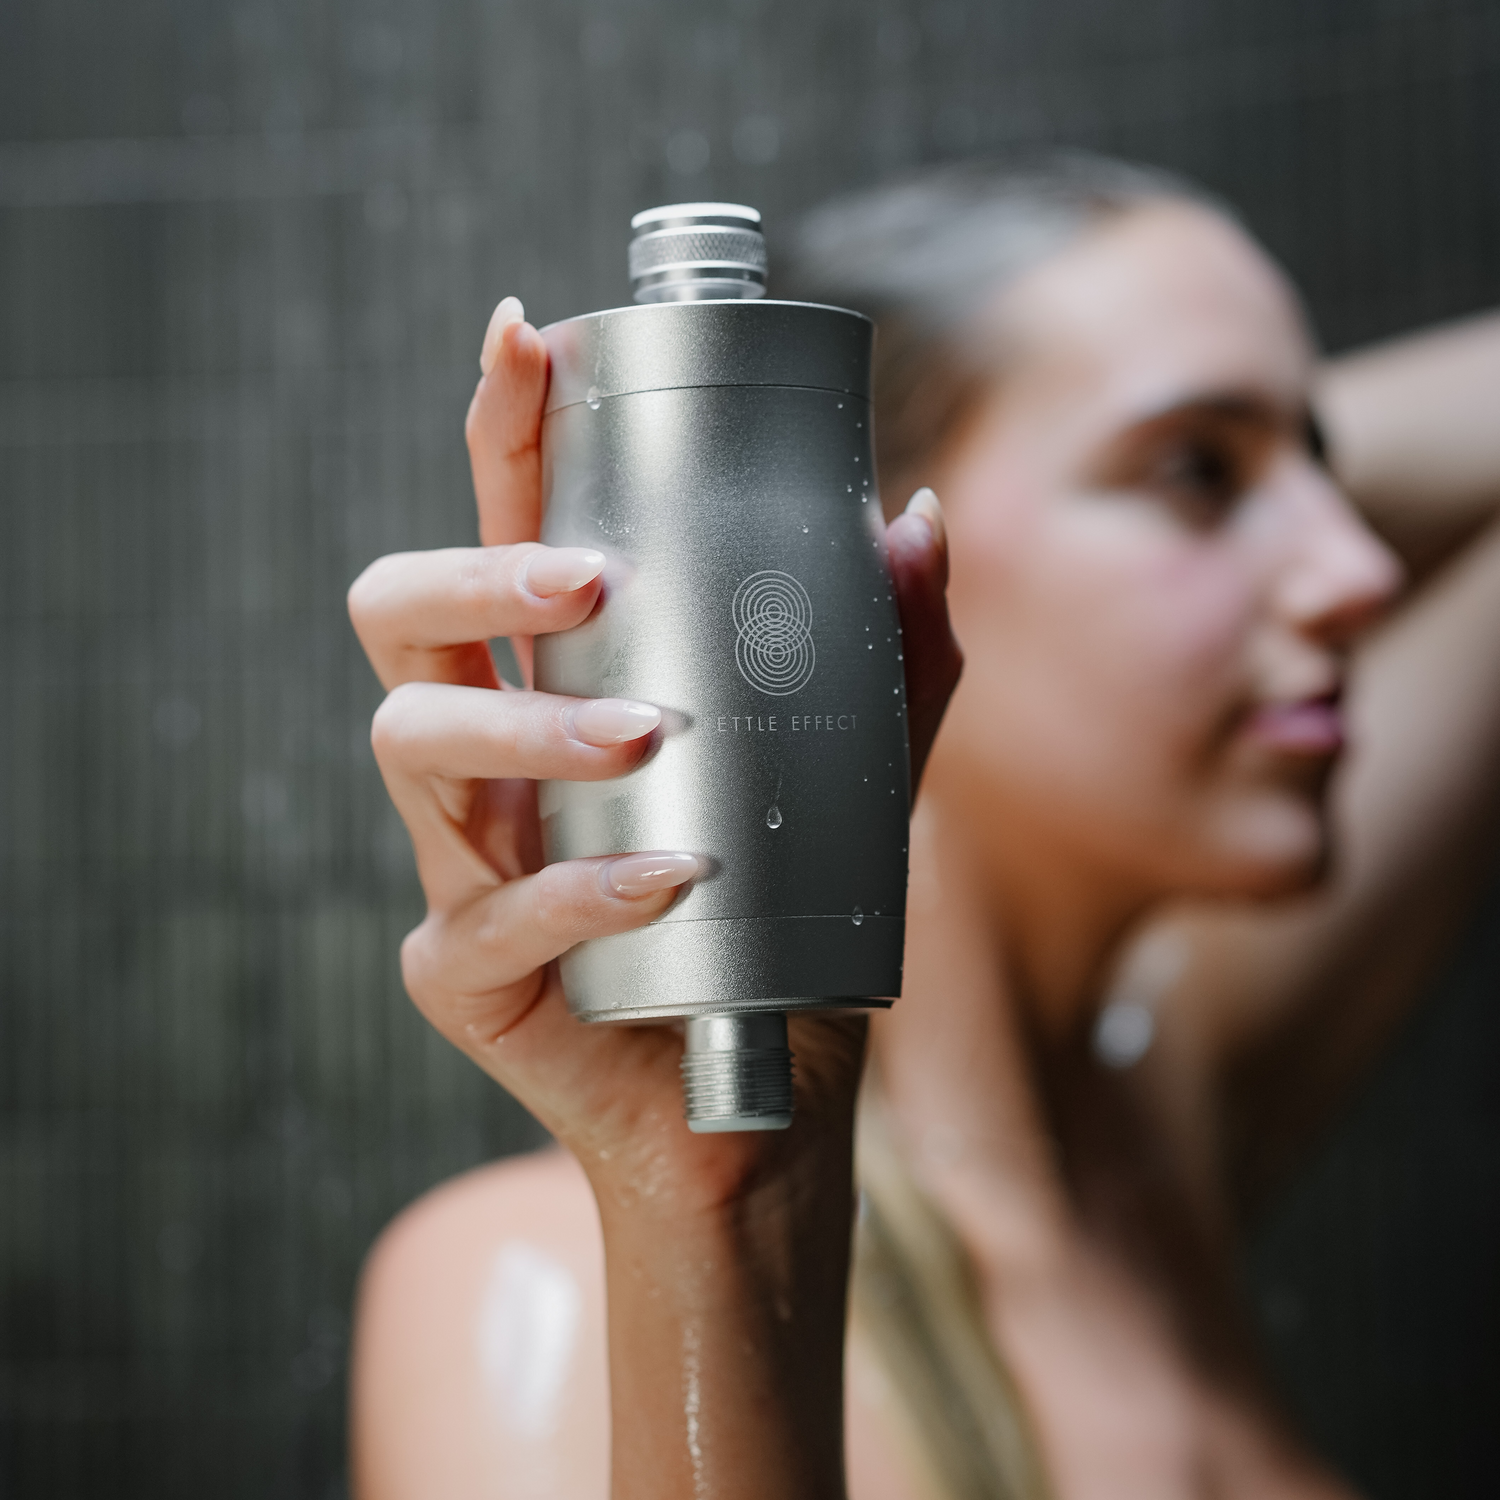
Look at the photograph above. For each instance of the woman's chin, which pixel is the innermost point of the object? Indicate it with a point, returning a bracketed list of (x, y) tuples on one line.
[(1269, 847)]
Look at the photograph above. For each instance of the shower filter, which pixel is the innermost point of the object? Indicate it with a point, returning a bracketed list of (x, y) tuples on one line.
[(715, 445)]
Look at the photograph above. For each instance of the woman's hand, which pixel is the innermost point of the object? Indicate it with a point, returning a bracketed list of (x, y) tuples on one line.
[(727, 1254), (461, 753)]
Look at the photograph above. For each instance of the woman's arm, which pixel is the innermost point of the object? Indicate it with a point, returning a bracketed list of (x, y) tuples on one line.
[(726, 1255), (1414, 429), (1288, 1005)]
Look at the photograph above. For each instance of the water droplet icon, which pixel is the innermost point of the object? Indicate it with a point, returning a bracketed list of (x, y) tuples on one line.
[(593, 398), (856, 916), (773, 817)]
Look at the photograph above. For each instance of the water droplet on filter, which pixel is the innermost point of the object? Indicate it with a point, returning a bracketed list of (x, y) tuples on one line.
[(804, 531), (856, 916), (773, 818), (593, 398)]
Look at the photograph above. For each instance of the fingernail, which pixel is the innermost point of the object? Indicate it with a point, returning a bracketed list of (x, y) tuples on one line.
[(925, 504), (559, 570), (643, 874), (612, 721), (509, 311)]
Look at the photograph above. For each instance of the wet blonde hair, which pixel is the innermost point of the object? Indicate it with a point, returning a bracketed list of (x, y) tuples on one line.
[(915, 1307), (923, 258)]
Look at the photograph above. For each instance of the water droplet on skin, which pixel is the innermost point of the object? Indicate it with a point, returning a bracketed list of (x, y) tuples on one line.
[(773, 818), (593, 398), (857, 916)]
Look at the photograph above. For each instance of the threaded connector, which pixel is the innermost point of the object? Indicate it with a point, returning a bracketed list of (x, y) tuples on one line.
[(737, 1073)]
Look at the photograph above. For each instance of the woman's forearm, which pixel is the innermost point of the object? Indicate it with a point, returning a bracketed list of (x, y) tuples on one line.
[(726, 1333), (1414, 433)]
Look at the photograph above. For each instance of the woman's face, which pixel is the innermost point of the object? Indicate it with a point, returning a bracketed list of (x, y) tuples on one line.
[(1154, 579)]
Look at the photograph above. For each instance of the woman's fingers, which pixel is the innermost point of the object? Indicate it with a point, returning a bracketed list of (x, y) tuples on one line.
[(917, 546), (428, 729), (425, 616), (504, 428), (474, 970), (441, 747)]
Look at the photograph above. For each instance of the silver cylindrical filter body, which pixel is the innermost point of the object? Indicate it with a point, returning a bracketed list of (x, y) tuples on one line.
[(719, 454)]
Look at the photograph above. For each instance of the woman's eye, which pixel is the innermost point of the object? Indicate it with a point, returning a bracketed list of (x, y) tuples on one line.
[(1196, 462), (1205, 478)]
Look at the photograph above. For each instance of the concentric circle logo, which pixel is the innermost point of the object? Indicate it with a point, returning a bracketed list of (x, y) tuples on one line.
[(773, 618)]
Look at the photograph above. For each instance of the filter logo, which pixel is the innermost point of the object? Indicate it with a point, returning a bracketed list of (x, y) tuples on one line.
[(774, 646)]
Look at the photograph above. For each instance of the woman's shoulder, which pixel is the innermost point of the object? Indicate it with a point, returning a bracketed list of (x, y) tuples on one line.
[(543, 1195), (480, 1336)]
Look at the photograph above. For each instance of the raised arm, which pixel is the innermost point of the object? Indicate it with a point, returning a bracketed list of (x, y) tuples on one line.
[(1414, 426), (726, 1255), (1291, 1004)]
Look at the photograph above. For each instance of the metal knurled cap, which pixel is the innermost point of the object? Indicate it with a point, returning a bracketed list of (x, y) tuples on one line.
[(692, 252)]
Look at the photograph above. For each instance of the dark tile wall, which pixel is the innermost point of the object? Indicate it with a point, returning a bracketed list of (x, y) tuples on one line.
[(246, 254)]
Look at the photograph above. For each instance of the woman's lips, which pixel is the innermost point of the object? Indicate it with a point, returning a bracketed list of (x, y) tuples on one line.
[(1312, 726)]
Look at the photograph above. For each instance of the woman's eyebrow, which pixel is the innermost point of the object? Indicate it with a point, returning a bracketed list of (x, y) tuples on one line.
[(1248, 407), (1238, 415), (1217, 411)]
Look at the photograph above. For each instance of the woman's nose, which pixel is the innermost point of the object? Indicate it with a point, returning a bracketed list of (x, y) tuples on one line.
[(1342, 577)]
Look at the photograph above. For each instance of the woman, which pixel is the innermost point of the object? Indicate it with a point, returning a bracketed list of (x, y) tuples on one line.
[(1158, 584)]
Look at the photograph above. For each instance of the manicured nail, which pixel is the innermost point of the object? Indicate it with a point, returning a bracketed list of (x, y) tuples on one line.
[(925, 504), (509, 311), (644, 874), (612, 721), (559, 570)]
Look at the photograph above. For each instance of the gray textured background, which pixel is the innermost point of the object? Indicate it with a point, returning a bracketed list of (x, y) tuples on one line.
[(246, 255)]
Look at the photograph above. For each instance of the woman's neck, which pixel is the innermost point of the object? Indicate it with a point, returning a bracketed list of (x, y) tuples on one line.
[(1003, 968)]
